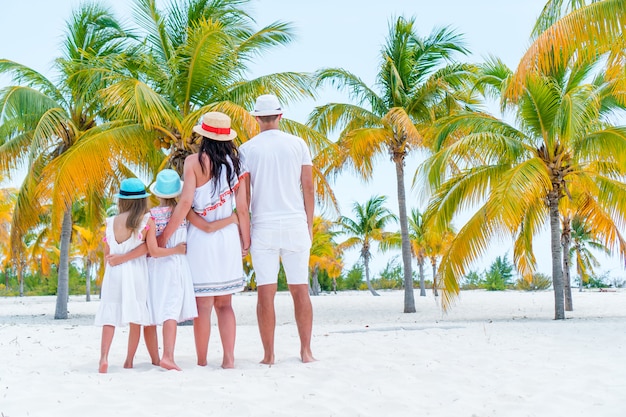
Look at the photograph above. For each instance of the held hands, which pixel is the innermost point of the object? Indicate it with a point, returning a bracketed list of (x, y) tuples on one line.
[(114, 260), (180, 249)]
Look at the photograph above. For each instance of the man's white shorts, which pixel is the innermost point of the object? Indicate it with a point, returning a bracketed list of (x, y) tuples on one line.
[(289, 243)]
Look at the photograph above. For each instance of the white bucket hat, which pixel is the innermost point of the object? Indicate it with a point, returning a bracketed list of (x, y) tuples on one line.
[(216, 126), (267, 105)]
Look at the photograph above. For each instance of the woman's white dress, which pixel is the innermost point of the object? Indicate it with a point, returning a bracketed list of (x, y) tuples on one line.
[(124, 293), (170, 285), (215, 258)]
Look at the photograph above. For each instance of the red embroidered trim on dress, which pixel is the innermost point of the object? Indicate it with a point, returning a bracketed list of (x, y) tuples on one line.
[(222, 198)]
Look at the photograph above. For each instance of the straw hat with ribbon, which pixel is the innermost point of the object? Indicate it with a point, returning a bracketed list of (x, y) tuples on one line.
[(216, 126)]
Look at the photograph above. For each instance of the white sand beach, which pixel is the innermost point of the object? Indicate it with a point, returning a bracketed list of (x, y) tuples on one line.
[(492, 354)]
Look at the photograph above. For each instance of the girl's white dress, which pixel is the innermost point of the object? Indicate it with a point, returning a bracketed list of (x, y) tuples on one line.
[(170, 285), (215, 258), (124, 293)]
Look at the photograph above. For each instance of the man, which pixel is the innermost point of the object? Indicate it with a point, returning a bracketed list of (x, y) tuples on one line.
[(282, 203)]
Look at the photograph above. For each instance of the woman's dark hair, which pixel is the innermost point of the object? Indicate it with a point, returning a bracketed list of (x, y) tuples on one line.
[(218, 153)]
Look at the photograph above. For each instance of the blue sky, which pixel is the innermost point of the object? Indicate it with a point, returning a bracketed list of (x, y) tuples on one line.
[(340, 33)]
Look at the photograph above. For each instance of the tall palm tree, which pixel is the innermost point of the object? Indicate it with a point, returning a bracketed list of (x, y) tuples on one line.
[(325, 253), (367, 228), (42, 121), (416, 89), (520, 175)]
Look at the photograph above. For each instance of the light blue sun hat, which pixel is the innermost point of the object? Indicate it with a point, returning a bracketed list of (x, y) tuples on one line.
[(131, 189), (167, 184)]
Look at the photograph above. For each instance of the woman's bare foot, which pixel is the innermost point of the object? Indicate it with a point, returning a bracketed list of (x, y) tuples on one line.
[(307, 356), (169, 365), (228, 362), (104, 367)]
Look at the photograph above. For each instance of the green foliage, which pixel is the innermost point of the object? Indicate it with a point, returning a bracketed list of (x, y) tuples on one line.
[(391, 277), (38, 284), (353, 278), (598, 281), (539, 282), (499, 275), (472, 281)]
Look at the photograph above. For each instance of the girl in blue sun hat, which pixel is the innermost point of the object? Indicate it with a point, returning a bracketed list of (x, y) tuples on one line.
[(124, 292)]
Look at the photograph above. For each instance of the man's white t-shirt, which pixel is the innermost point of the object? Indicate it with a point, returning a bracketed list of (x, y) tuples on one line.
[(275, 159)]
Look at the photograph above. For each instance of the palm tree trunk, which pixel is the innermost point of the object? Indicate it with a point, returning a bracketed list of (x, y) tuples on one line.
[(315, 284), (366, 263), (20, 278), (420, 264), (555, 240), (409, 298), (434, 264), (64, 266), (565, 240), (88, 281)]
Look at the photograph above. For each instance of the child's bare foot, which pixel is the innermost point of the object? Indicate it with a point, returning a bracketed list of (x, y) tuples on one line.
[(104, 367), (202, 362), (169, 365), (128, 363), (156, 362)]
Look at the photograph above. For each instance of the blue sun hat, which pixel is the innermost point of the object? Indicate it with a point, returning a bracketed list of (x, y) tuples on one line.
[(167, 184), (132, 189)]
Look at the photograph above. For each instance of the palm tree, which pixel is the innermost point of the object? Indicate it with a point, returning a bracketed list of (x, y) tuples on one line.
[(7, 203), (416, 89), (325, 254), (585, 238), (42, 121), (436, 245), (367, 228), (582, 28), (519, 176), (417, 236)]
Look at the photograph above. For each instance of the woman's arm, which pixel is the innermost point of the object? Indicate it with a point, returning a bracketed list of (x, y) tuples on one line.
[(184, 202), (155, 250), (210, 227), (114, 260), (243, 215)]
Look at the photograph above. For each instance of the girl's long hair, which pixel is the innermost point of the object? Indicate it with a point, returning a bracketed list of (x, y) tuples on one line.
[(219, 152), (136, 209)]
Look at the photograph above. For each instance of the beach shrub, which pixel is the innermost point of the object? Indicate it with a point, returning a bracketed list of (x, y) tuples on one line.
[(499, 275), (598, 281), (391, 277), (539, 282), (353, 278), (472, 281)]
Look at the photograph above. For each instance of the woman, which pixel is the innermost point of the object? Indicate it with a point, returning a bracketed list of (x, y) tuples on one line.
[(212, 180)]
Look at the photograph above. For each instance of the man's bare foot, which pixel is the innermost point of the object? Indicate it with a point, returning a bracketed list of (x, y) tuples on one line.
[(128, 364), (169, 365), (104, 367), (268, 360)]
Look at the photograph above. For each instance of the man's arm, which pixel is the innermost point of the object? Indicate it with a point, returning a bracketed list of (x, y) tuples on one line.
[(308, 193)]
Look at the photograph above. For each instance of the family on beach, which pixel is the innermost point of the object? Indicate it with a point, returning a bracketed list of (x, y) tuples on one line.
[(183, 258)]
